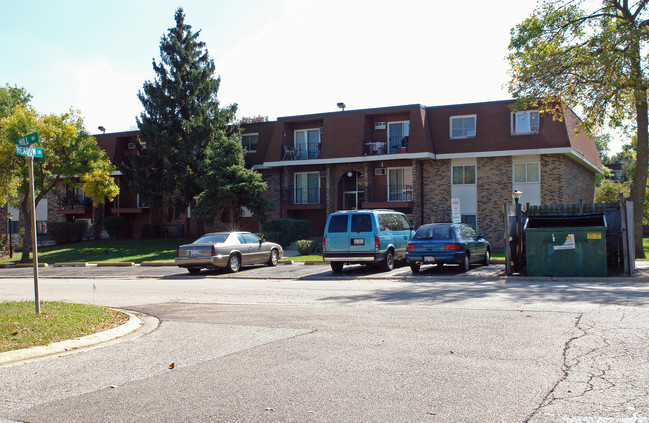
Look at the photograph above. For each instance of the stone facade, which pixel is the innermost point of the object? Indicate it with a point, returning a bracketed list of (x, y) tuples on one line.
[(436, 191), (494, 190)]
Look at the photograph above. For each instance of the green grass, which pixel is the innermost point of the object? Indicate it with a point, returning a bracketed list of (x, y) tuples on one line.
[(21, 327), (127, 250), (302, 259)]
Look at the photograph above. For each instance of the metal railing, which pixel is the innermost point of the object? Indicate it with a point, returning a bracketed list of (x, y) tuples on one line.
[(301, 196), (391, 145), (75, 203), (379, 193), (301, 152)]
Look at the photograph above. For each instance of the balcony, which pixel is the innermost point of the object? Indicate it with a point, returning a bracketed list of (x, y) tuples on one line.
[(302, 198), (71, 204), (391, 145), (392, 196), (127, 204), (301, 152)]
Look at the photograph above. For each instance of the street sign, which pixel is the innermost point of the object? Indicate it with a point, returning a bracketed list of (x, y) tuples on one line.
[(456, 215), (27, 139), (29, 151)]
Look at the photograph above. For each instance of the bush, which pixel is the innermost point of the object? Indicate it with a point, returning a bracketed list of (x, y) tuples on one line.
[(285, 231), (150, 230), (66, 232), (308, 247), (114, 225)]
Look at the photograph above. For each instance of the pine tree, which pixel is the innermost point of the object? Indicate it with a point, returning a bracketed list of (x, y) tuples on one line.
[(191, 143)]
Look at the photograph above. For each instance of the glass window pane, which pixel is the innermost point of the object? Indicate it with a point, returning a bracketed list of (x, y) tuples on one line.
[(252, 146), (469, 174), (522, 122), (338, 223), (361, 223), (532, 172), (519, 172), (458, 175)]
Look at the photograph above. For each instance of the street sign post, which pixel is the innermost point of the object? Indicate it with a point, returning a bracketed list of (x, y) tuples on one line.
[(24, 148)]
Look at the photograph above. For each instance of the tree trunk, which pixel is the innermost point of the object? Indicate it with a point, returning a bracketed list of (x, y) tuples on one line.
[(639, 186)]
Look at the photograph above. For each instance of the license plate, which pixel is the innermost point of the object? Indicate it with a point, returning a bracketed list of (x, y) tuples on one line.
[(358, 241), (429, 259)]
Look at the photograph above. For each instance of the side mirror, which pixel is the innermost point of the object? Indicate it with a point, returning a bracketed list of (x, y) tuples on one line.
[(480, 236)]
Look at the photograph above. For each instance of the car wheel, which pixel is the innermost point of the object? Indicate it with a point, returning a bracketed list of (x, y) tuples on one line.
[(465, 265), (487, 258), (234, 263), (337, 266), (274, 257), (415, 267), (388, 262), (194, 270)]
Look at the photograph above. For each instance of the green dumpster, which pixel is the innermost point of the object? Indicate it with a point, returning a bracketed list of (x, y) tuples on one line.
[(566, 245)]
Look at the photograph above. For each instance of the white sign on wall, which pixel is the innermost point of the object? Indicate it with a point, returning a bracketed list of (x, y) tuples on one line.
[(456, 215)]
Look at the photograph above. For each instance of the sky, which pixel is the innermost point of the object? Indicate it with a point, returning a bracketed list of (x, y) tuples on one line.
[(275, 57)]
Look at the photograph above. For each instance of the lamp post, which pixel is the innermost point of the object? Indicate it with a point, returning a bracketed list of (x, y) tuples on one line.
[(519, 230), (11, 251)]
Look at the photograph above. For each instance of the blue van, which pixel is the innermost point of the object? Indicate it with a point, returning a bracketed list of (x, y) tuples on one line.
[(366, 237)]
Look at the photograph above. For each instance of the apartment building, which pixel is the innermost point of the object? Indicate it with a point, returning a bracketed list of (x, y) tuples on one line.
[(422, 160)]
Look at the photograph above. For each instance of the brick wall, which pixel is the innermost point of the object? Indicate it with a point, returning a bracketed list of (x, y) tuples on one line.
[(272, 178), (437, 191), (494, 179), (3, 220), (552, 179), (581, 183)]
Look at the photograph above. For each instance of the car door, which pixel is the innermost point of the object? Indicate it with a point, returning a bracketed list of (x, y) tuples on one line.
[(402, 234), (255, 249), (474, 245), (337, 234), (361, 233), (244, 249)]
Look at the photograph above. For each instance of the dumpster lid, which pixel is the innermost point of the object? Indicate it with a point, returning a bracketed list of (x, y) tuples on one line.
[(581, 221)]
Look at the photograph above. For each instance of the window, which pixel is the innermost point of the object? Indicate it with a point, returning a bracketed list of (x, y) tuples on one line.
[(307, 188), (361, 223), (398, 133), (469, 231), (400, 184), (249, 142), (526, 122), (307, 144), (463, 126), (526, 172), (338, 223), (463, 175), (250, 238)]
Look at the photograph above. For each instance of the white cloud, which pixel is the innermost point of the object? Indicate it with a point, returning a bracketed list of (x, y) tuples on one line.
[(104, 95)]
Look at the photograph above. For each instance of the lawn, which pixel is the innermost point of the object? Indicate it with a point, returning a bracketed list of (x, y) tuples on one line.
[(106, 250), (21, 327)]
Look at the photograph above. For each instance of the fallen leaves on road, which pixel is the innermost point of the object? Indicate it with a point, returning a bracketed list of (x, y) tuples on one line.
[(172, 366)]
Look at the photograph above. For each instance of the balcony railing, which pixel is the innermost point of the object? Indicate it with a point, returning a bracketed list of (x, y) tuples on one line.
[(127, 202), (383, 193), (301, 196), (72, 202), (391, 145), (301, 152)]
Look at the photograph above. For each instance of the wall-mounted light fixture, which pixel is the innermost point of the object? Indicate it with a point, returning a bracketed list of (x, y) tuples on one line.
[(341, 105), (102, 129)]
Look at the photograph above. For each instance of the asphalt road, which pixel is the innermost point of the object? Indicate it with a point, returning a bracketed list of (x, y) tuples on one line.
[(354, 348)]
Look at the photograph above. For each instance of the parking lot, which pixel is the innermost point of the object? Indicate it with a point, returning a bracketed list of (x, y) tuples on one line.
[(295, 271)]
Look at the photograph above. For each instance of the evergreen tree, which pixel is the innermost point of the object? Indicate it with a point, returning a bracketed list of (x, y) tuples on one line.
[(181, 122)]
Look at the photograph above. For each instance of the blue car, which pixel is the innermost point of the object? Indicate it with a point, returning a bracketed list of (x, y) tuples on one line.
[(447, 243)]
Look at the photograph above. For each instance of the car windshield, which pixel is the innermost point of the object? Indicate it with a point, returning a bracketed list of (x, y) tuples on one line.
[(434, 232), (211, 239)]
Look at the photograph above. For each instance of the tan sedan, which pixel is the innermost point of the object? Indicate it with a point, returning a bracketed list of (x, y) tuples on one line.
[(227, 250)]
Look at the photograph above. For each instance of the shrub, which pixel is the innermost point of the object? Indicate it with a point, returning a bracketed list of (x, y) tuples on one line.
[(150, 230), (307, 247), (114, 225), (285, 231), (66, 232)]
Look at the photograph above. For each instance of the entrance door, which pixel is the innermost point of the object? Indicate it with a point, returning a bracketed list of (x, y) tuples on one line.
[(350, 200)]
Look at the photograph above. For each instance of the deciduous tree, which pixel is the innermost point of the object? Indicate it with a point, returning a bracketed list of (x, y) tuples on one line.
[(591, 56), (70, 155)]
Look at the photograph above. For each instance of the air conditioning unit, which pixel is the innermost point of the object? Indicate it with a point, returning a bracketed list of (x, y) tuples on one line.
[(379, 125), (131, 146), (379, 171)]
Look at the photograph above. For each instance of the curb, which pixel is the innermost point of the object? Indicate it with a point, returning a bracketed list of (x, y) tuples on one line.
[(116, 263), (30, 265), (71, 264), (131, 325), (157, 263)]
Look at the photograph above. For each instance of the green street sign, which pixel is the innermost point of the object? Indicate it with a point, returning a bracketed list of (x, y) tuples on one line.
[(27, 139), (29, 151)]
